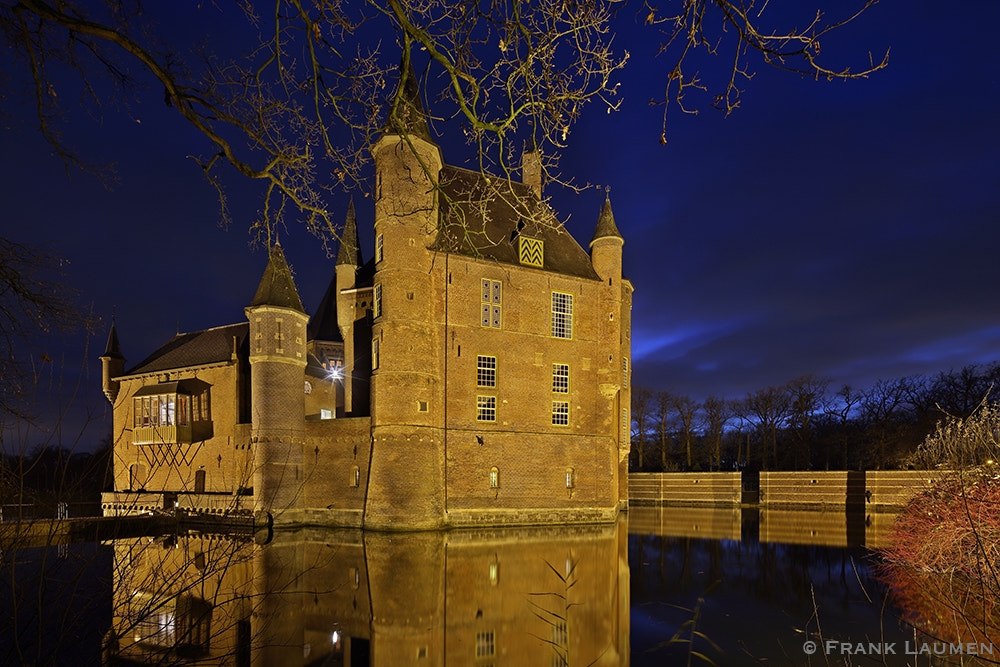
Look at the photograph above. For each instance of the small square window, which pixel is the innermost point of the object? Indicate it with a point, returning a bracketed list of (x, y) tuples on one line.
[(560, 378), (486, 408), (421, 406), (485, 644), (560, 413), (486, 371)]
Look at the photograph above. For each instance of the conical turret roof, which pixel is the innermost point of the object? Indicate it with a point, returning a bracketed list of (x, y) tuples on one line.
[(276, 286), (606, 227), (323, 325), (112, 350), (410, 117), (350, 242)]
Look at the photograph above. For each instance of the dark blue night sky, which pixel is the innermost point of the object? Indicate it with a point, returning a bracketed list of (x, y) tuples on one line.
[(846, 229)]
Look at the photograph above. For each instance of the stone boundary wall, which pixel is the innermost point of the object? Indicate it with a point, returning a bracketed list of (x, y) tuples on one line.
[(811, 489), (874, 490), (894, 488), (684, 488)]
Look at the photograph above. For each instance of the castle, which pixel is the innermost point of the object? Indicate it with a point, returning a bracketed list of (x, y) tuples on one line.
[(475, 371)]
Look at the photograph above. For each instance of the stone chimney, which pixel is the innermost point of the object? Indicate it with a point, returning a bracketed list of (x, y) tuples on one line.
[(531, 171)]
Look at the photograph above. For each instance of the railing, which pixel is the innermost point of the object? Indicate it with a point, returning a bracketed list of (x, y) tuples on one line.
[(153, 435)]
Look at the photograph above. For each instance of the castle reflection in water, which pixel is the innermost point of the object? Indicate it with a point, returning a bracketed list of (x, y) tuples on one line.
[(531, 596), (552, 596)]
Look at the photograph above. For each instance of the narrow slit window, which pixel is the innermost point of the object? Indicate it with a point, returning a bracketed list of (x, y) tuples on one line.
[(377, 301), (378, 248)]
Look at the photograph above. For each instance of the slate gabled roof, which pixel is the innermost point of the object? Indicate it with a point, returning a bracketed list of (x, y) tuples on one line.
[(196, 349), (484, 218)]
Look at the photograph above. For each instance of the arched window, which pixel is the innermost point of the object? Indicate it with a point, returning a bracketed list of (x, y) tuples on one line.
[(494, 478), (355, 476), (570, 478)]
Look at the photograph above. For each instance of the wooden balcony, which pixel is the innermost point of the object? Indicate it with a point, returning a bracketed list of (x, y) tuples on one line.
[(153, 435)]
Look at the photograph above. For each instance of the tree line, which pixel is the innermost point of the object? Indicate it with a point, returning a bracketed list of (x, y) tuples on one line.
[(802, 424)]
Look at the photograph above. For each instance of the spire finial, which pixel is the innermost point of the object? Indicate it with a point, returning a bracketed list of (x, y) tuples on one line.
[(350, 243), (606, 227)]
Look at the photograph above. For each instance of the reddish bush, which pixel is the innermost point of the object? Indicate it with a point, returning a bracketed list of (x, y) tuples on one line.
[(943, 565)]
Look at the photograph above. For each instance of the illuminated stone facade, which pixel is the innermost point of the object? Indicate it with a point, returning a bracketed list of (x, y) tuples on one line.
[(475, 371)]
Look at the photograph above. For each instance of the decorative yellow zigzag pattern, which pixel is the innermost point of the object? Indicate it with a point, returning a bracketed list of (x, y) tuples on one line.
[(531, 251)]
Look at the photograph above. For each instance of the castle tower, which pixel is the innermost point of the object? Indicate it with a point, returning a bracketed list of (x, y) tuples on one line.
[(277, 380), (350, 319), (406, 483), (112, 364), (614, 313)]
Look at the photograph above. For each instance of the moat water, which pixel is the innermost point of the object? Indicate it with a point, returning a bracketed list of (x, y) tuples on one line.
[(664, 586)]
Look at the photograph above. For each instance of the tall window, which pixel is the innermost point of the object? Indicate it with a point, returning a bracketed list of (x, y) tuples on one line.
[(560, 413), (562, 315), (199, 406), (486, 371), (486, 408), (625, 426), (490, 303), (377, 301), (162, 410), (494, 478), (374, 354), (624, 371), (378, 248), (560, 378)]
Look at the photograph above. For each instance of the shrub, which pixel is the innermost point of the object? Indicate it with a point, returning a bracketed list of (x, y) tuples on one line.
[(961, 443)]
